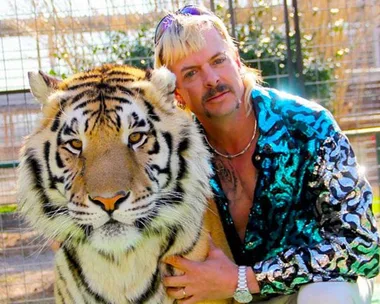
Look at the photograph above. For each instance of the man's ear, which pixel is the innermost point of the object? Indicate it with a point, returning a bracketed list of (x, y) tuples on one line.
[(237, 59), (42, 85), (178, 96), (181, 103)]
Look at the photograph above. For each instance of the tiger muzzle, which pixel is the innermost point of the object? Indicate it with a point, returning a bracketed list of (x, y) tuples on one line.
[(110, 204)]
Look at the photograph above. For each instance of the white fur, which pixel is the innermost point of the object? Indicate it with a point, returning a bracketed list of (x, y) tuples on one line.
[(40, 88), (164, 80), (135, 254)]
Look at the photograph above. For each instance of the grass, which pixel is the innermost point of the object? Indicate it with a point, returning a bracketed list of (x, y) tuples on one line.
[(376, 205), (8, 208), (12, 207)]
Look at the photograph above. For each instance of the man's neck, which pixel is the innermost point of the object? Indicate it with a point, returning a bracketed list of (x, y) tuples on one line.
[(230, 134)]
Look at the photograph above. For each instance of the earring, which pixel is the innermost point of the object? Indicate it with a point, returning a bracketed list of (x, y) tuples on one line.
[(181, 104), (242, 73)]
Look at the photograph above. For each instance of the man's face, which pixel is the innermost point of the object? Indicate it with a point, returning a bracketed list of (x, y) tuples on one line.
[(209, 81)]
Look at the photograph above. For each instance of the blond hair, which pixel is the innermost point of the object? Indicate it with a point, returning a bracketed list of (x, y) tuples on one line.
[(183, 37)]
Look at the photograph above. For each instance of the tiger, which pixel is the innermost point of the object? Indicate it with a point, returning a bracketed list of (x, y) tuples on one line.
[(119, 176)]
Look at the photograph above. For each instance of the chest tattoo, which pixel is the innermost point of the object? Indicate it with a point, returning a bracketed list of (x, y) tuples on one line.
[(227, 176)]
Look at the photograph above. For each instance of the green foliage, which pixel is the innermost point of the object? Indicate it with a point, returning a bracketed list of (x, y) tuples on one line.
[(265, 49), (8, 208), (261, 47), (376, 205), (117, 47), (125, 48)]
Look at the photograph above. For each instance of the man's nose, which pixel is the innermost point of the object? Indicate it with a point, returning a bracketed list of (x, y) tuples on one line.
[(210, 77)]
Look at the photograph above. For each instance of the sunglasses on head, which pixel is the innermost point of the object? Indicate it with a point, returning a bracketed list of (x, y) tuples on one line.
[(166, 22)]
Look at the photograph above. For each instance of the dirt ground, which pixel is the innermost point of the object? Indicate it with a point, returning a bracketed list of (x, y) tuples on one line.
[(26, 265)]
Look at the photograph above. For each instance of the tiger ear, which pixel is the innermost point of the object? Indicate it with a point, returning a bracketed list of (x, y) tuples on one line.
[(42, 85), (164, 81)]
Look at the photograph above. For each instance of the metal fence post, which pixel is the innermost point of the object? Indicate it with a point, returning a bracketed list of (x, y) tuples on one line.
[(291, 82), (299, 59), (296, 77), (212, 6), (232, 14)]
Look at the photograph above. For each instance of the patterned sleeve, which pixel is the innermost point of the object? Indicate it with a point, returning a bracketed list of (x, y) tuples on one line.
[(350, 245)]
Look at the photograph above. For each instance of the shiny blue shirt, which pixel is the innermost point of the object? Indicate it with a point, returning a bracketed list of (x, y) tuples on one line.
[(311, 218)]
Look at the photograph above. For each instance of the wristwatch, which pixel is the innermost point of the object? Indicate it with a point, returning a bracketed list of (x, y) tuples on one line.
[(242, 294)]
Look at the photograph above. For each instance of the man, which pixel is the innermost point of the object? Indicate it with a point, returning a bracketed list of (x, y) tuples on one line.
[(295, 208)]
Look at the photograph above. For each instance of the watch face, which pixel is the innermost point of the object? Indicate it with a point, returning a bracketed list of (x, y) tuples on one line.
[(242, 296)]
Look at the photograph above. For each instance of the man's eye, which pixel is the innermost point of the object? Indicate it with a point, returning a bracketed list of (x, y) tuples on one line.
[(220, 60), (189, 74)]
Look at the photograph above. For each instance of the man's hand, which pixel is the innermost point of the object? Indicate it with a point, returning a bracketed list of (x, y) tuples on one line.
[(213, 279)]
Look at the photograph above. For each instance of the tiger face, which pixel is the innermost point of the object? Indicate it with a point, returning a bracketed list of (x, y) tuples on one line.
[(113, 160)]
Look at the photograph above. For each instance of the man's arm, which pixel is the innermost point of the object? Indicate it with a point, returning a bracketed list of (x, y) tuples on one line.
[(343, 210)]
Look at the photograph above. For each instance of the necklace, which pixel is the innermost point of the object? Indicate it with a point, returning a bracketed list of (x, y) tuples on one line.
[(230, 156)]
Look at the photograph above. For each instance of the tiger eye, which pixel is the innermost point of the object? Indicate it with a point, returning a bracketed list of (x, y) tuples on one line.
[(135, 137), (76, 144)]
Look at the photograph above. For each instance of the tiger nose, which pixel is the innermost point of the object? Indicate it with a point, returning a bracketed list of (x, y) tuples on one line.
[(110, 204)]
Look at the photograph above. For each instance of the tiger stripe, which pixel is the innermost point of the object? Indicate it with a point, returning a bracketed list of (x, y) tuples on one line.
[(81, 158)]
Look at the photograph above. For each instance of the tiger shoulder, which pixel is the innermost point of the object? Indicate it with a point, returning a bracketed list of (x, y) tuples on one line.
[(118, 175)]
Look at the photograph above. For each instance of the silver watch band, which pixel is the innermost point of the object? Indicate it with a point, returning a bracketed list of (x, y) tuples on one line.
[(242, 277), (242, 294)]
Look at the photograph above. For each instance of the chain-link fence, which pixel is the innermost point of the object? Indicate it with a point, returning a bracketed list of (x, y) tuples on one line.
[(326, 50)]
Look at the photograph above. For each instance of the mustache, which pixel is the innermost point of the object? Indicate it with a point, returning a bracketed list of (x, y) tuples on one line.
[(220, 88)]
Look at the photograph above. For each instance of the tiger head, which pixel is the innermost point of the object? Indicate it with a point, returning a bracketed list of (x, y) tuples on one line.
[(113, 160)]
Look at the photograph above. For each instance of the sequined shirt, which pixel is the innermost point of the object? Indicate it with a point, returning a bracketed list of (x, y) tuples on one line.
[(311, 219)]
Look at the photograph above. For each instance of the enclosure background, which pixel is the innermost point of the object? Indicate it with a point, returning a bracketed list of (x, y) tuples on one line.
[(340, 48)]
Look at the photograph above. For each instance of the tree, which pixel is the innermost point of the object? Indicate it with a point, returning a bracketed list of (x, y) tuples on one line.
[(259, 46)]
